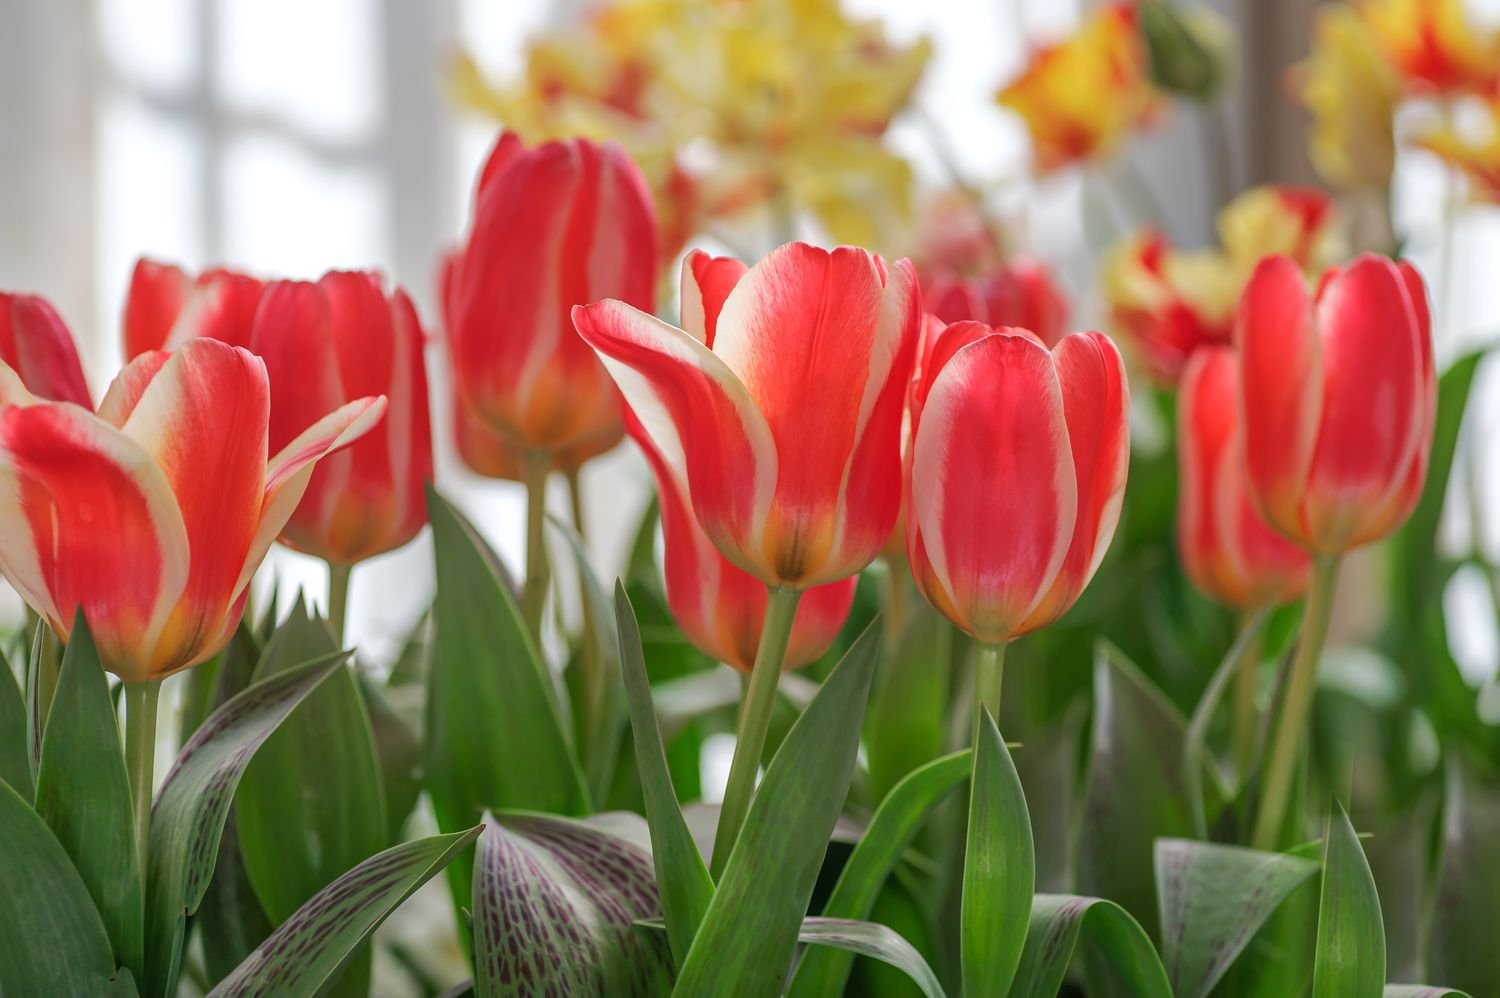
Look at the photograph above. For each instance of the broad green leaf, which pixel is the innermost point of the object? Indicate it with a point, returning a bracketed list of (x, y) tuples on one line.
[(309, 950), (683, 881), (15, 762), (193, 803), (873, 940), (51, 939), (748, 936), (555, 901), (890, 831), (1463, 949), (599, 716), (1135, 791), (83, 794), (495, 736), (1350, 961), (230, 923), (999, 869), (1118, 952), (397, 748), (1421, 991), (317, 774), (906, 726), (1213, 898)]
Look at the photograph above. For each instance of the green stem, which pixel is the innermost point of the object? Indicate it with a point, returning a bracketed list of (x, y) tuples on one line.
[(589, 658), (897, 603), (989, 674), (755, 718), (140, 759), (338, 599), (1242, 720), (534, 595), (1292, 719)]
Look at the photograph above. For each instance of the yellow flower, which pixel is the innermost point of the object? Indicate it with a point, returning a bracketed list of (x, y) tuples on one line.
[(1433, 46), (1299, 222), (1474, 152), (1081, 97), (1351, 91)]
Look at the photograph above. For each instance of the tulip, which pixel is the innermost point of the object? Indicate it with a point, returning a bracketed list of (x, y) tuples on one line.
[(1433, 46), (36, 345), (1229, 551), (1169, 303), (1019, 294), (164, 308), (1338, 395), (778, 405)]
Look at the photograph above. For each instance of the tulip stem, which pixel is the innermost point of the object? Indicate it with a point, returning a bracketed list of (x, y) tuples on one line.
[(1242, 721), (989, 673), (534, 595), (591, 724), (1292, 718), (338, 599), (755, 718), (140, 759)]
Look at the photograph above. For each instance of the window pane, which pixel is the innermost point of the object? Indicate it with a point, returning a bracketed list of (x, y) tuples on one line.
[(152, 42)]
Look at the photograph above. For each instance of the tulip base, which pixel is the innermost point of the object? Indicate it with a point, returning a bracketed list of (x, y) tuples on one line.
[(755, 718), (140, 759)]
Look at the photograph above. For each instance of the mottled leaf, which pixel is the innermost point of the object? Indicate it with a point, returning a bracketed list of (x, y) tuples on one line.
[(1118, 952), (872, 940)]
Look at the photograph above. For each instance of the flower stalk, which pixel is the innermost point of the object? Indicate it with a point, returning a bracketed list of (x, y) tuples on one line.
[(534, 594), (140, 759)]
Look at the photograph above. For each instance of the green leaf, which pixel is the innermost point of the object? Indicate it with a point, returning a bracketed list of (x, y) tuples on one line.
[(42, 669), (398, 749), (193, 803), (681, 878), (896, 821), (749, 933), (999, 869), (317, 775), (83, 794), (230, 923), (15, 756), (1350, 960), (1462, 946), (873, 940), (906, 726), (555, 901), (1213, 898), (1135, 791), (1421, 991), (495, 736), (51, 939), (1195, 755), (1115, 947), (310, 949)]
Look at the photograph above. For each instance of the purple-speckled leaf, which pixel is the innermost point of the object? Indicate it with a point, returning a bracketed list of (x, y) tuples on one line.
[(311, 948), (192, 805), (555, 902)]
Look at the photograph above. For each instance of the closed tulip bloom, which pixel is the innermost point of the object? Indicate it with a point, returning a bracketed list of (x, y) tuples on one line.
[(1229, 551), (325, 344), (1017, 475), (779, 403), (36, 345), (559, 225), (719, 607), (1338, 393), (1020, 294), (152, 515), (164, 307)]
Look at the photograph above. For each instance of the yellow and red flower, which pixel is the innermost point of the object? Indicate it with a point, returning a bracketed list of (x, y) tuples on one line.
[(1351, 90), (1433, 46), (1473, 151)]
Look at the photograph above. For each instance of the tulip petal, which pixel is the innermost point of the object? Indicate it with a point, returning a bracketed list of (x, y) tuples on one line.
[(1096, 406), (1205, 435), (1281, 390), (993, 491), (35, 341), (155, 298), (126, 390), (88, 519), (706, 283), (1372, 412), (698, 416)]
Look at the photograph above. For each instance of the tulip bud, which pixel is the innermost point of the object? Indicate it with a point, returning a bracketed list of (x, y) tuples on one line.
[(1189, 50), (1339, 395)]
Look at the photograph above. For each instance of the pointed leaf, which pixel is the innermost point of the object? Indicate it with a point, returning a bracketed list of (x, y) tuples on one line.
[(51, 939), (310, 949), (872, 940), (896, 821), (15, 763), (555, 902), (1213, 898), (192, 805), (1116, 948), (495, 736), (1350, 960), (747, 939), (1462, 946), (83, 794), (999, 868), (682, 879)]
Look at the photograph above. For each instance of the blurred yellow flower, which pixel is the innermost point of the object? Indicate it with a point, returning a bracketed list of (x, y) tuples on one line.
[(1300, 222), (1351, 90), (1474, 151), (1433, 46), (1082, 96), (727, 105)]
